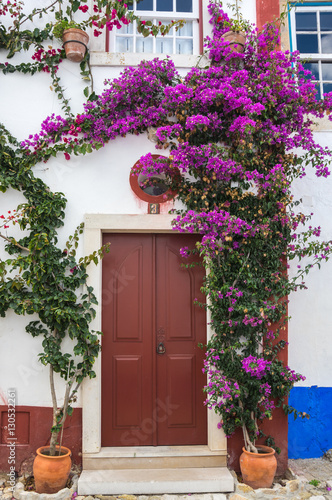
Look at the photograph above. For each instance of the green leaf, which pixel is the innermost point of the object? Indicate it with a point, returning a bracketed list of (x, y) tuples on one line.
[(75, 5), (93, 97)]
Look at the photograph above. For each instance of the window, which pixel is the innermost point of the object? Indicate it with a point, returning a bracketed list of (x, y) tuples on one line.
[(311, 29), (184, 41), (153, 189)]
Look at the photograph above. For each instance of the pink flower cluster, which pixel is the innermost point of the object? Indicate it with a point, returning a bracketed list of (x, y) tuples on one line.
[(41, 55), (256, 366)]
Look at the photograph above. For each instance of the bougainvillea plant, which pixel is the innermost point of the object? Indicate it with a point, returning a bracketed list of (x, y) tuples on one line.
[(239, 132)]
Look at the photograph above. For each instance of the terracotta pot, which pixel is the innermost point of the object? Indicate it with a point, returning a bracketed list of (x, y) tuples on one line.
[(236, 40), (258, 469), (51, 473), (75, 43)]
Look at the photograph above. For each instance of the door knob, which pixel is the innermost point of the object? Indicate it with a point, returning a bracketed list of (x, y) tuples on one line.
[(161, 349)]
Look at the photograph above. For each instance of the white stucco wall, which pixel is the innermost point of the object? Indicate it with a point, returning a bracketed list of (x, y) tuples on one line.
[(310, 346)]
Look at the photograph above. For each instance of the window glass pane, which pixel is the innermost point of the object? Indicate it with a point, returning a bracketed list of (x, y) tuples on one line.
[(326, 21), (165, 5), (164, 46), (144, 44), (187, 30), (306, 21), (124, 44), (126, 29), (307, 44), (327, 87), (144, 5), (313, 67), (184, 46), (166, 22), (184, 5), (154, 186), (318, 95), (327, 71), (326, 43)]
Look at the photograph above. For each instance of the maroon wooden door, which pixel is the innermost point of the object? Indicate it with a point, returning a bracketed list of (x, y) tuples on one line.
[(151, 364)]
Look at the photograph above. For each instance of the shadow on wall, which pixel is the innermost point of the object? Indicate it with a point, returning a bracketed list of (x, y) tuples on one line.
[(310, 438)]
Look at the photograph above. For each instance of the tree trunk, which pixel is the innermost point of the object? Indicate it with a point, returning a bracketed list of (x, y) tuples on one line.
[(53, 442)]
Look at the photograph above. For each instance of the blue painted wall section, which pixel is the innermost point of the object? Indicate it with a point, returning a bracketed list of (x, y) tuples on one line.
[(310, 438)]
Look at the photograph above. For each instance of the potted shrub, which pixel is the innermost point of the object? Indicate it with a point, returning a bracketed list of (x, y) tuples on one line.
[(50, 283), (69, 315), (244, 390), (246, 379)]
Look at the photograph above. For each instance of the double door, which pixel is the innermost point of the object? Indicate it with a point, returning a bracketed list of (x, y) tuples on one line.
[(152, 376)]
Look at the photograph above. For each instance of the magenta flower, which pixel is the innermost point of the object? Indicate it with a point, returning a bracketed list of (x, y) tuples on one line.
[(257, 367)]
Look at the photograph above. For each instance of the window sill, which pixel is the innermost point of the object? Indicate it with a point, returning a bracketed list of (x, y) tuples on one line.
[(130, 59)]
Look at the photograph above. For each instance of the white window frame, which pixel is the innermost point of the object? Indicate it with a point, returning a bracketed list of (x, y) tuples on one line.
[(312, 57), (99, 56), (164, 17)]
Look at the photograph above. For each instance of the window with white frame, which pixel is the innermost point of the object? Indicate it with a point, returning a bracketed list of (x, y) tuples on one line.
[(311, 35), (183, 41)]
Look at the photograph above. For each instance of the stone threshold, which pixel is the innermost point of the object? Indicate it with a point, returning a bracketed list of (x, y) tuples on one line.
[(154, 457), (156, 481), (156, 451)]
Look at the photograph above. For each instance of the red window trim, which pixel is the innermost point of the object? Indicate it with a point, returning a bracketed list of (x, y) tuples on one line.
[(267, 11), (162, 198)]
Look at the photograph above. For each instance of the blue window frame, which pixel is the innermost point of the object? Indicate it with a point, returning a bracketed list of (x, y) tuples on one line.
[(311, 34)]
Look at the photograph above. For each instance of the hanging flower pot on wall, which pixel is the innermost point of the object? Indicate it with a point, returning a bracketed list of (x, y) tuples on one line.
[(75, 43), (235, 39), (258, 469)]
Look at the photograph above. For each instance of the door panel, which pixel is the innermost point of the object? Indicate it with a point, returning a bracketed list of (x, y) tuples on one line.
[(177, 294), (181, 390), (127, 325), (127, 378), (150, 398), (179, 371)]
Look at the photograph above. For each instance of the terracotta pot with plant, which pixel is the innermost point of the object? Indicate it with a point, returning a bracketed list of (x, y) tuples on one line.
[(51, 472), (235, 39), (58, 295), (238, 27), (258, 469), (74, 38), (247, 395), (67, 313), (64, 312)]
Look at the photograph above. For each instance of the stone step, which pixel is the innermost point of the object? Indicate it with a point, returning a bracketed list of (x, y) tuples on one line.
[(155, 481), (154, 457)]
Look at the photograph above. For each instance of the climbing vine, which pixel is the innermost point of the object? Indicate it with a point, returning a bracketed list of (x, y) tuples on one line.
[(239, 132)]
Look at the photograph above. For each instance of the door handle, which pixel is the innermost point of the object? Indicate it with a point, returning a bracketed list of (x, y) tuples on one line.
[(161, 349)]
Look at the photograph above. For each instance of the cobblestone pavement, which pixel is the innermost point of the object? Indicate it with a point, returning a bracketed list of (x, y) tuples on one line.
[(294, 486), (313, 468)]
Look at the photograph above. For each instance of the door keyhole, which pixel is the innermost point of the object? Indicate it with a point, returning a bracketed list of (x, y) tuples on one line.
[(161, 349)]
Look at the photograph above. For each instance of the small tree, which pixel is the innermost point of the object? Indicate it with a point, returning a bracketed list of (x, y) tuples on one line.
[(41, 279)]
